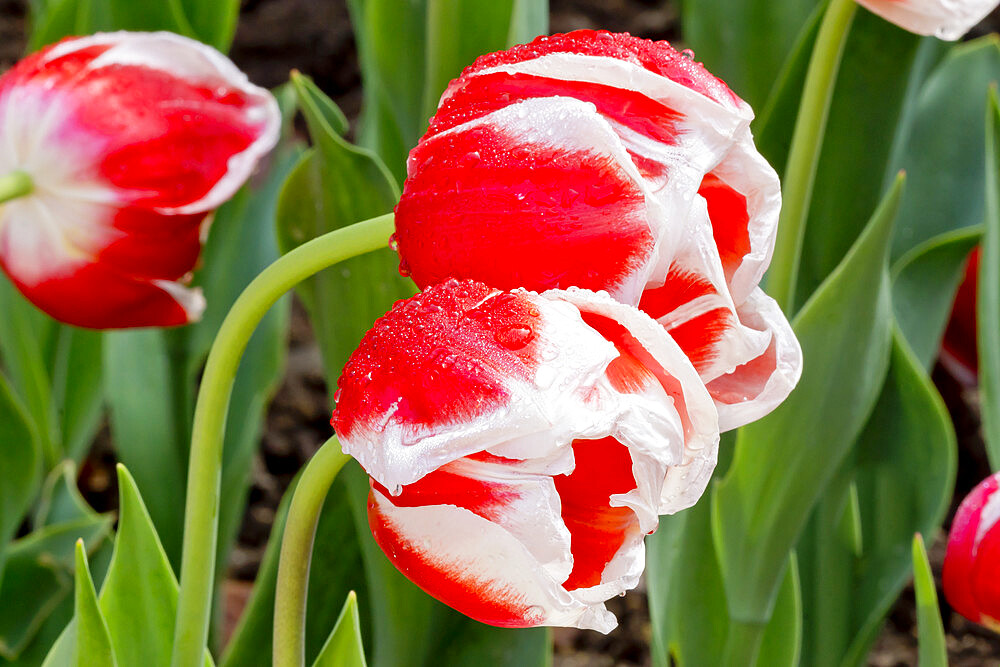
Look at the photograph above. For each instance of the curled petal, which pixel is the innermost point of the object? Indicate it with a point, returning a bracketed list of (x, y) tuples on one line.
[(945, 19), (972, 559), (130, 140)]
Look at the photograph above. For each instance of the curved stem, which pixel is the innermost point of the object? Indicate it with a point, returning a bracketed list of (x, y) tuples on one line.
[(296, 554), (15, 184), (807, 142), (201, 513)]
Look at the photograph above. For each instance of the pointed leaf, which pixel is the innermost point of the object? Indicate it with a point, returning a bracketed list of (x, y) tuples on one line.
[(93, 643), (20, 464), (930, 632), (784, 461), (344, 647)]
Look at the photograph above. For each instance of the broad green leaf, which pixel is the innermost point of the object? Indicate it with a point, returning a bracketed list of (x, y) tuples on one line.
[(782, 642), (26, 336), (943, 152), (212, 21), (411, 628), (146, 388), (336, 570), (334, 185), (924, 282), (850, 178), (930, 631), (344, 647), (77, 396), (744, 42), (93, 643), (140, 590), (783, 461), (60, 499), (20, 464), (528, 19), (38, 579), (988, 294)]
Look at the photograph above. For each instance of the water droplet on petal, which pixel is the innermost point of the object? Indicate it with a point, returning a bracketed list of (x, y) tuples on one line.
[(398, 489), (394, 243), (688, 53), (514, 338), (337, 394)]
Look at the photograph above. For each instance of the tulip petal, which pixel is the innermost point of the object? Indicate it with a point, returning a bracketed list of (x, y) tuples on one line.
[(945, 19), (971, 560)]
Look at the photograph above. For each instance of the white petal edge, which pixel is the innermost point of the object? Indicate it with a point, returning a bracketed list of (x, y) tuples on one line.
[(945, 19), (761, 312)]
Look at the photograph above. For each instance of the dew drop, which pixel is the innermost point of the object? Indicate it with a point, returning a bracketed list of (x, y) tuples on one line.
[(398, 489), (688, 53), (471, 159), (394, 243), (622, 594), (514, 338), (404, 268), (337, 394)]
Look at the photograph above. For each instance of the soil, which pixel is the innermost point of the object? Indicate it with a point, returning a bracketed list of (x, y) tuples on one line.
[(275, 36)]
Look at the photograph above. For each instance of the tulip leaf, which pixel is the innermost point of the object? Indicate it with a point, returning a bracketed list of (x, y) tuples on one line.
[(20, 465), (901, 471), (942, 151), (336, 570), (408, 52), (212, 21), (334, 185), (76, 388), (988, 291), (924, 282), (930, 631), (93, 642), (783, 461), (782, 642), (344, 647), (38, 579), (744, 42)]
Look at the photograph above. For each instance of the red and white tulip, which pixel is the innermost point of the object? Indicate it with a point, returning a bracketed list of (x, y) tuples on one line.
[(971, 574), (130, 140), (521, 446), (945, 19), (608, 162)]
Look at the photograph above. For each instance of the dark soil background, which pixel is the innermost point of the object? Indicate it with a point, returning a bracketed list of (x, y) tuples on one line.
[(314, 36)]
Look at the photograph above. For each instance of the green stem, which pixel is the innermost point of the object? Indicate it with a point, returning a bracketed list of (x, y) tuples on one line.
[(201, 514), (15, 184), (742, 643), (807, 142), (296, 554)]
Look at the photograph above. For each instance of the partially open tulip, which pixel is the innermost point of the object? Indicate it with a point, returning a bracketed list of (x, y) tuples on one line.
[(946, 19), (522, 445), (959, 352), (971, 575), (129, 141), (607, 162)]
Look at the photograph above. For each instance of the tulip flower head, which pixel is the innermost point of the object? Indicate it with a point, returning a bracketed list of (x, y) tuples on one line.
[(521, 445), (945, 19), (971, 575), (608, 162), (129, 141)]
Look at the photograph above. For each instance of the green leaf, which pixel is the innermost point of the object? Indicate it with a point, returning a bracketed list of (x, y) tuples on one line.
[(60, 500), (38, 579), (782, 642), (20, 464), (943, 152), (744, 42), (140, 590), (988, 294), (213, 21), (336, 569), (76, 388), (924, 282), (784, 461), (148, 425), (93, 643), (344, 647), (930, 632), (335, 185)]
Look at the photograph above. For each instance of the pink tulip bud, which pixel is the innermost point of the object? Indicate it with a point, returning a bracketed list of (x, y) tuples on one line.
[(971, 575), (130, 140)]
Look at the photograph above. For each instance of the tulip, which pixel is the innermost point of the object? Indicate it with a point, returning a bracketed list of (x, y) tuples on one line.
[(127, 141), (607, 162), (945, 19), (520, 446), (959, 348), (971, 575)]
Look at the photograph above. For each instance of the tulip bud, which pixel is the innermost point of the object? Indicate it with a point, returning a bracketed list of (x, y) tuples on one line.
[(971, 575), (129, 140), (945, 19)]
